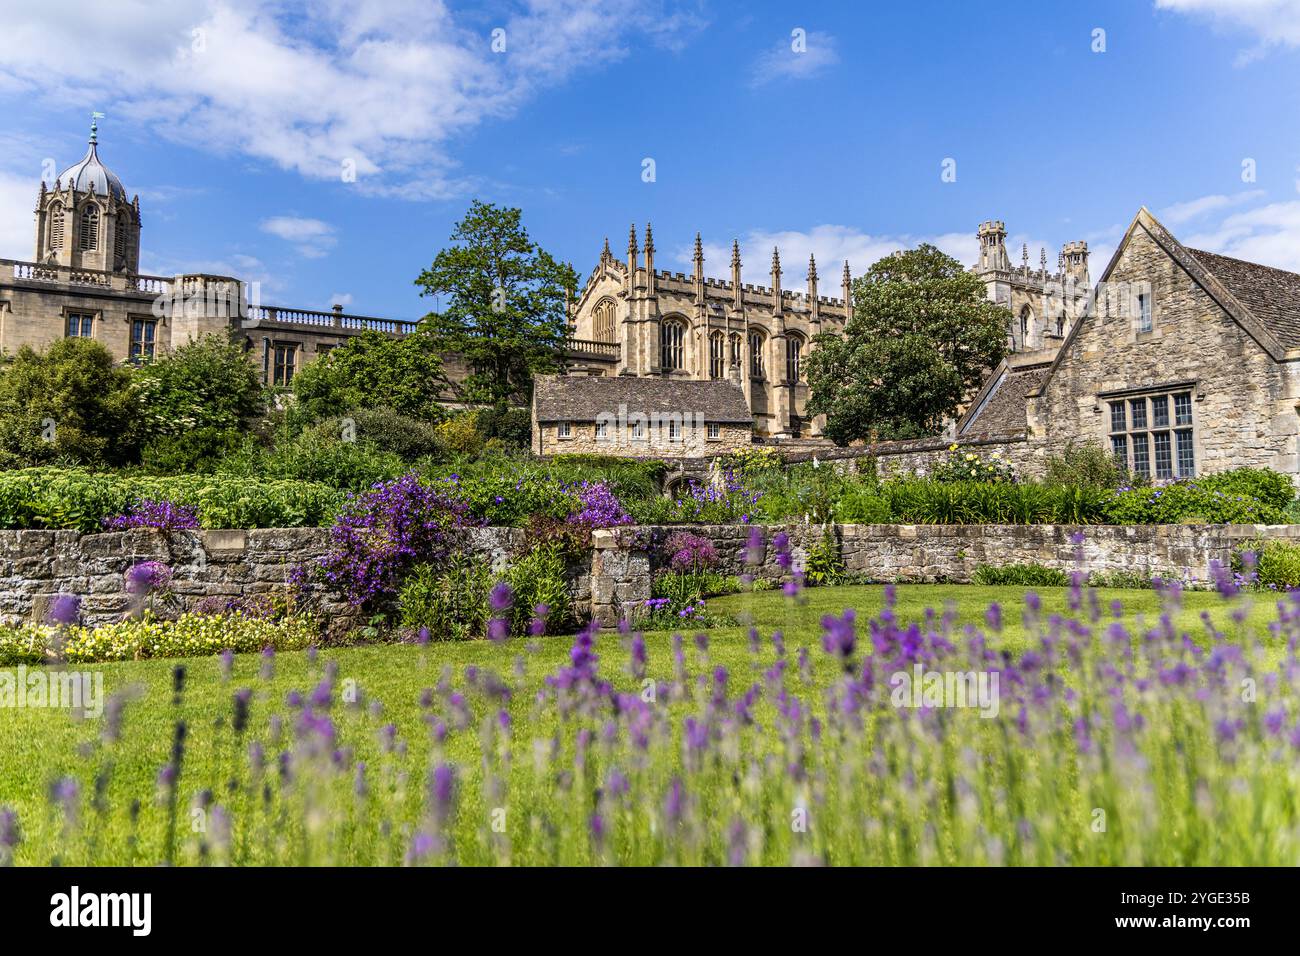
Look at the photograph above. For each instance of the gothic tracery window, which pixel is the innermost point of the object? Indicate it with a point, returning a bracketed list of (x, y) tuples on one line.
[(671, 338), (602, 321), (717, 355), (793, 358), (756, 354)]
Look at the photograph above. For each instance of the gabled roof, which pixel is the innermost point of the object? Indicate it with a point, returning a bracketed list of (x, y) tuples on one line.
[(1272, 295), (584, 398), (1264, 301), (999, 408)]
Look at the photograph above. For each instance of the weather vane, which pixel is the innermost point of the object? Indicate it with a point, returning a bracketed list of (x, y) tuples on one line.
[(94, 126)]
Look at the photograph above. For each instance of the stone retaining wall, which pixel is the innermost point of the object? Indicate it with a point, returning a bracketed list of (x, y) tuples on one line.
[(36, 565)]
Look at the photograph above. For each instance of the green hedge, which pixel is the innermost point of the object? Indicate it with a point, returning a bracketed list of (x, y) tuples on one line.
[(72, 498)]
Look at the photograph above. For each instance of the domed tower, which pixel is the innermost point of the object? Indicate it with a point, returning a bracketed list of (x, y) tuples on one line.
[(85, 221)]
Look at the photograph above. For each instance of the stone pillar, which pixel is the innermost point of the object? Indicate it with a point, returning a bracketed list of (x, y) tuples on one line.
[(620, 576)]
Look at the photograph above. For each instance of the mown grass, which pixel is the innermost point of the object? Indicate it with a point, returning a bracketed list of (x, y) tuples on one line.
[(39, 746)]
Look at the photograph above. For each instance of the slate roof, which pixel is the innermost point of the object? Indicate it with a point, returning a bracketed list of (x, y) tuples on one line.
[(584, 398), (1002, 408), (1271, 295)]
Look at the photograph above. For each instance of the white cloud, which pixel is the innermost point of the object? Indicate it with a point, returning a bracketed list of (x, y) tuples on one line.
[(311, 237), (1269, 235), (17, 220), (795, 58), (341, 298), (1183, 212), (379, 86), (1274, 22)]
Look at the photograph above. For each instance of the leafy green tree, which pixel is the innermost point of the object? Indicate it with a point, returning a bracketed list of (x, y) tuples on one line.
[(207, 383), (71, 403), (371, 371), (505, 304), (922, 335)]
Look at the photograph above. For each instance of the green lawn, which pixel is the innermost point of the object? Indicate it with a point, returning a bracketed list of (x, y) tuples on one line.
[(38, 746)]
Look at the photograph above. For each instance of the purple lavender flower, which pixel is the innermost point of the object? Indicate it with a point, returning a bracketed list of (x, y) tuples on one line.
[(148, 513), (65, 609), (146, 577)]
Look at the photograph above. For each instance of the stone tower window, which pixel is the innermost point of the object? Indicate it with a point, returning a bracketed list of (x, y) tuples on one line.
[(1026, 319), (756, 354), (119, 240), (736, 349), (717, 355), (671, 338), (56, 226), (89, 236)]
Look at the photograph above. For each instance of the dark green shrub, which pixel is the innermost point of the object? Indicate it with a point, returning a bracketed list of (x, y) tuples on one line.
[(450, 602), (1021, 575), (512, 426), (1087, 464), (1272, 488), (1189, 502), (207, 384), (825, 565), (1276, 563), (388, 430), (538, 578), (71, 402), (190, 452)]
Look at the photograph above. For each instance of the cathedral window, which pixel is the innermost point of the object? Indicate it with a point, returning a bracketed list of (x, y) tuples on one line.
[(671, 345), (1026, 319), (756, 354), (56, 226), (793, 358), (119, 240), (717, 356), (602, 321), (736, 349), (89, 236)]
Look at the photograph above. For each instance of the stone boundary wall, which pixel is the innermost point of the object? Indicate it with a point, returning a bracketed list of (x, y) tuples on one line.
[(36, 565)]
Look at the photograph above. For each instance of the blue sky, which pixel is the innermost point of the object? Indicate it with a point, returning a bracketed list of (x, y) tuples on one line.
[(235, 121)]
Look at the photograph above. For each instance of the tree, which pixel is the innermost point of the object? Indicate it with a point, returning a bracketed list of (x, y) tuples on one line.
[(922, 336), (505, 312), (70, 402), (373, 370), (207, 383)]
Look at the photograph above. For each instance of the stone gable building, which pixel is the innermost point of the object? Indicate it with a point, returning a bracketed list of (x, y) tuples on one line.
[(638, 417), (1182, 362)]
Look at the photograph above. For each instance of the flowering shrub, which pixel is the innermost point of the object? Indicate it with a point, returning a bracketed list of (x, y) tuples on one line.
[(190, 635), (149, 513), (385, 531), (597, 507), (958, 465), (726, 503), (690, 552)]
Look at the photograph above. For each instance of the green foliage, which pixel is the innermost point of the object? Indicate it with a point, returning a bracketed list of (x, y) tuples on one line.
[(206, 384), (922, 335), (537, 578), (513, 427), (1274, 489), (451, 602), (1021, 575), (317, 454), (76, 499), (918, 501), (825, 565), (689, 587), (388, 430), (1087, 464), (504, 304), (961, 465), (68, 403), (373, 370), (1190, 502), (1276, 564), (460, 435), (190, 635), (197, 450)]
